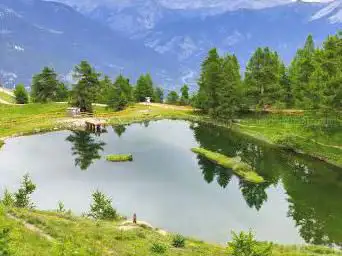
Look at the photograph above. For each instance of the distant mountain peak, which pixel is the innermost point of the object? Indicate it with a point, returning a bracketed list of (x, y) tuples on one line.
[(333, 12)]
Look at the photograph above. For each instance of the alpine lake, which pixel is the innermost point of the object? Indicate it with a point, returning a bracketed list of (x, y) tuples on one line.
[(174, 189)]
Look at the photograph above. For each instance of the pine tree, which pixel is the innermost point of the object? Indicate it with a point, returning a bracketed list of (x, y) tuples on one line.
[(45, 86), (144, 88), (158, 95), (210, 80), (300, 72), (120, 94), (185, 98), (262, 77), (229, 91), (85, 91), (172, 98)]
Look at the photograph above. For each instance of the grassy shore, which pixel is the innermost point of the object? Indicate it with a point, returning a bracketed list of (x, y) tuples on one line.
[(6, 97), (241, 169), (301, 133), (51, 233)]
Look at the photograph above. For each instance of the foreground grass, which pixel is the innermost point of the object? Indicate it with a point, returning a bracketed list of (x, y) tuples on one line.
[(81, 236), (119, 158), (241, 169)]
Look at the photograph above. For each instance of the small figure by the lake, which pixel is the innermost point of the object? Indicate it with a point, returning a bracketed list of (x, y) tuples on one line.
[(134, 218)]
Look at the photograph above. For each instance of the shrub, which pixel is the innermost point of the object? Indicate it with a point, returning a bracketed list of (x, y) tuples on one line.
[(21, 95), (22, 197), (178, 241), (8, 199), (158, 248), (244, 244), (4, 242), (101, 208), (60, 207)]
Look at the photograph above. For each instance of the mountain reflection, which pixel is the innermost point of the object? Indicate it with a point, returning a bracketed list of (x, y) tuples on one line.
[(85, 148), (314, 188)]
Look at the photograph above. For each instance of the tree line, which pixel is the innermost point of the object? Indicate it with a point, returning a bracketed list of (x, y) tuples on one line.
[(91, 87), (313, 80)]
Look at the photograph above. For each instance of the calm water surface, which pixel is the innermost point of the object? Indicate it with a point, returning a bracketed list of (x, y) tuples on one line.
[(174, 189)]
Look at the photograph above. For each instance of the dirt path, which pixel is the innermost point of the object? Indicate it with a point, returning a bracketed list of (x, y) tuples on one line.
[(160, 105), (32, 228)]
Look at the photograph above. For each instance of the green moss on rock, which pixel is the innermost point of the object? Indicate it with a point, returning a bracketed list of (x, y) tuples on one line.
[(120, 158), (241, 169)]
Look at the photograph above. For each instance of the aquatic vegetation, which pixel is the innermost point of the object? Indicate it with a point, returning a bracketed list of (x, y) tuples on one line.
[(241, 169), (120, 158)]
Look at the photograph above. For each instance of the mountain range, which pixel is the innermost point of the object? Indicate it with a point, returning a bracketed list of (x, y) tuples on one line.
[(148, 36)]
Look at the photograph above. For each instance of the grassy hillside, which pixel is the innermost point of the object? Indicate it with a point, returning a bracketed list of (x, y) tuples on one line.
[(6, 97), (52, 233)]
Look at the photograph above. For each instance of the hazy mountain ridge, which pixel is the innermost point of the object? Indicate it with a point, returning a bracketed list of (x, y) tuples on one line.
[(37, 33), (147, 36)]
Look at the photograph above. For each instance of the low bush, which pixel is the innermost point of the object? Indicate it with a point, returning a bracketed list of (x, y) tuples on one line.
[(158, 248), (178, 241)]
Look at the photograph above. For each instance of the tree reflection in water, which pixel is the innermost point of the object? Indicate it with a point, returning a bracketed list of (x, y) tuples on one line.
[(85, 148), (314, 188)]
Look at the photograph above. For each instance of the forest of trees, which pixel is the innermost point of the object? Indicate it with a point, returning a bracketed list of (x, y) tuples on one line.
[(313, 80)]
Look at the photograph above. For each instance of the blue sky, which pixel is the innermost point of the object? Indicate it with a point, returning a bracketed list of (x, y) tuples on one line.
[(187, 4)]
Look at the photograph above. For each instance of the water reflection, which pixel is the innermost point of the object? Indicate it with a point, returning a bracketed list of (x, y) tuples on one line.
[(85, 148), (314, 188), (119, 130)]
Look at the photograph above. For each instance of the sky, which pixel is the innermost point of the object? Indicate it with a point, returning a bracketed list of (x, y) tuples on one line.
[(187, 4)]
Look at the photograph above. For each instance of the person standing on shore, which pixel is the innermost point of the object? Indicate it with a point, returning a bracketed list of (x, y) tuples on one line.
[(134, 218)]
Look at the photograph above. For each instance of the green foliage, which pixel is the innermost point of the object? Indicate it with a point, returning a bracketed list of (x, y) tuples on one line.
[(8, 199), (62, 93), (158, 248), (21, 95), (101, 207), (60, 207), (172, 98), (220, 86), (45, 86), (185, 98), (120, 94), (178, 241), (158, 95), (4, 242), (22, 196), (85, 91), (262, 77), (244, 244), (120, 158), (144, 88)]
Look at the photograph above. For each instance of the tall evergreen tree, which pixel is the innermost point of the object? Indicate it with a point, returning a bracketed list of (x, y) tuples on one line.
[(185, 98), (262, 77), (300, 72), (172, 98), (144, 88), (229, 91), (45, 86), (210, 80), (84, 92), (158, 95), (120, 94)]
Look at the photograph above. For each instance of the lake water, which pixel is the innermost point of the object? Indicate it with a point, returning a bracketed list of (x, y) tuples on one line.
[(174, 189)]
